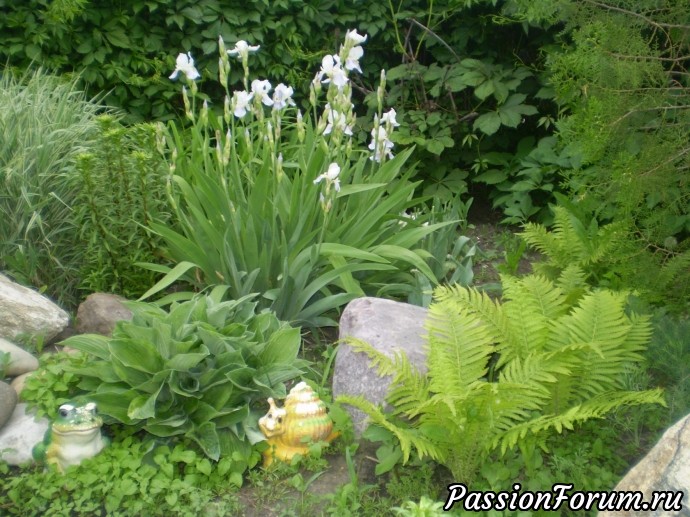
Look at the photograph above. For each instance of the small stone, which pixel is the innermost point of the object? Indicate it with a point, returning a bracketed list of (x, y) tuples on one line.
[(8, 401), (20, 434), (19, 382), (21, 361), (25, 311), (99, 313), (389, 327)]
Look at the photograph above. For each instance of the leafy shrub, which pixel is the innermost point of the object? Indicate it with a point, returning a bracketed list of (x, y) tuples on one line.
[(192, 372), (503, 374), (120, 186), (469, 88), (124, 48), (291, 209), (625, 114)]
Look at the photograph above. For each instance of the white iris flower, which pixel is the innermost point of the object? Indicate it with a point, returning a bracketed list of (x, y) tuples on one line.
[(185, 64)]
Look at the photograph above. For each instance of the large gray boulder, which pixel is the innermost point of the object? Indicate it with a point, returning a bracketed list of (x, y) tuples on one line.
[(8, 401), (24, 311), (21, 361), (99, 313), (389, 327), (665, 468), (20, 434)]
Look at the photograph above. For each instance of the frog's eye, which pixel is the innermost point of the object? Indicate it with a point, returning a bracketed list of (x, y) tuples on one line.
[(65, 410), (91, 407)]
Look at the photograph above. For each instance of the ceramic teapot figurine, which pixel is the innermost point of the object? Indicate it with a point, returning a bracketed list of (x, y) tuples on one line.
[(74, 436), (290, 429)]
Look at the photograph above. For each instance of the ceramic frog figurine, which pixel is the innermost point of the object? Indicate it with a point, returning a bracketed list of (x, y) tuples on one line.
[(288, 430), (74, 436)]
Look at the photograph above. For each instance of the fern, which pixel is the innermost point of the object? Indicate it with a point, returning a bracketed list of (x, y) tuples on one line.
[(561, 361), (615, 255), (572, 241)]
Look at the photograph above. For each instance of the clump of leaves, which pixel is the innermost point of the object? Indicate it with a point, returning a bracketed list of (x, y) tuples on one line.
[(193, 371), (54, 382), (506, 374)]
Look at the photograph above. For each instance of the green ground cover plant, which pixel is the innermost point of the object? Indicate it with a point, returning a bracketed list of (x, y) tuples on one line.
[(129, 477), (506, 374), (271, 202)]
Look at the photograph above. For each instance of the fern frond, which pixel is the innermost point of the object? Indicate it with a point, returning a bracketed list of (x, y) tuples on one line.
[(409, 387), (532, 302), (537, 370), (537, 292), (572, 280), (639, 335), (595, 407), (572, 234), (460, 347), (384, 364), (408, 436), (599, 318), (604, 241), (676, 266), (545, 242), (476, 302)]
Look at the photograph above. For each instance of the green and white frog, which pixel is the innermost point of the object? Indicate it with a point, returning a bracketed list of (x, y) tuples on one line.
[(74, 436)]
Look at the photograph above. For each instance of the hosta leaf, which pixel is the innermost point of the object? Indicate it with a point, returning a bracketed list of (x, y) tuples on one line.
[(282, 347), (185, 362), (93, 344), (139, 355), (207, 438)]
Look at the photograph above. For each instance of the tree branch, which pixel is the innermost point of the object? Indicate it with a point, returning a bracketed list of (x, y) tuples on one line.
[(638, 15)]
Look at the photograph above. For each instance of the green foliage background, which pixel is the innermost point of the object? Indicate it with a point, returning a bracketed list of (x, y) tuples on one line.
[(463, 75)]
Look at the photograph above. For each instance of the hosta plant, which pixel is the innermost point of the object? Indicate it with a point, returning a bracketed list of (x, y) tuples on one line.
[(268, 201), (505, 374), (192, 372)]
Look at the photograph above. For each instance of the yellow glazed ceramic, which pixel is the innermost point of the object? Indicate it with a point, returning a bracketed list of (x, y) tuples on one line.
[(289, 430)]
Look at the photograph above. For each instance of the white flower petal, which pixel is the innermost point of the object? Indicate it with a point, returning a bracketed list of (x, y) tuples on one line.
[(355, 37)]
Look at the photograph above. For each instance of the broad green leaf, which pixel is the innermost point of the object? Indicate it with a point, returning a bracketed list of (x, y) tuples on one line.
[(492, 177), (172, 276), (488, 123), (332, 248), (93, 344), (207, 438), (348, 190), (185, 362), (138, 355), (282, 347)]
